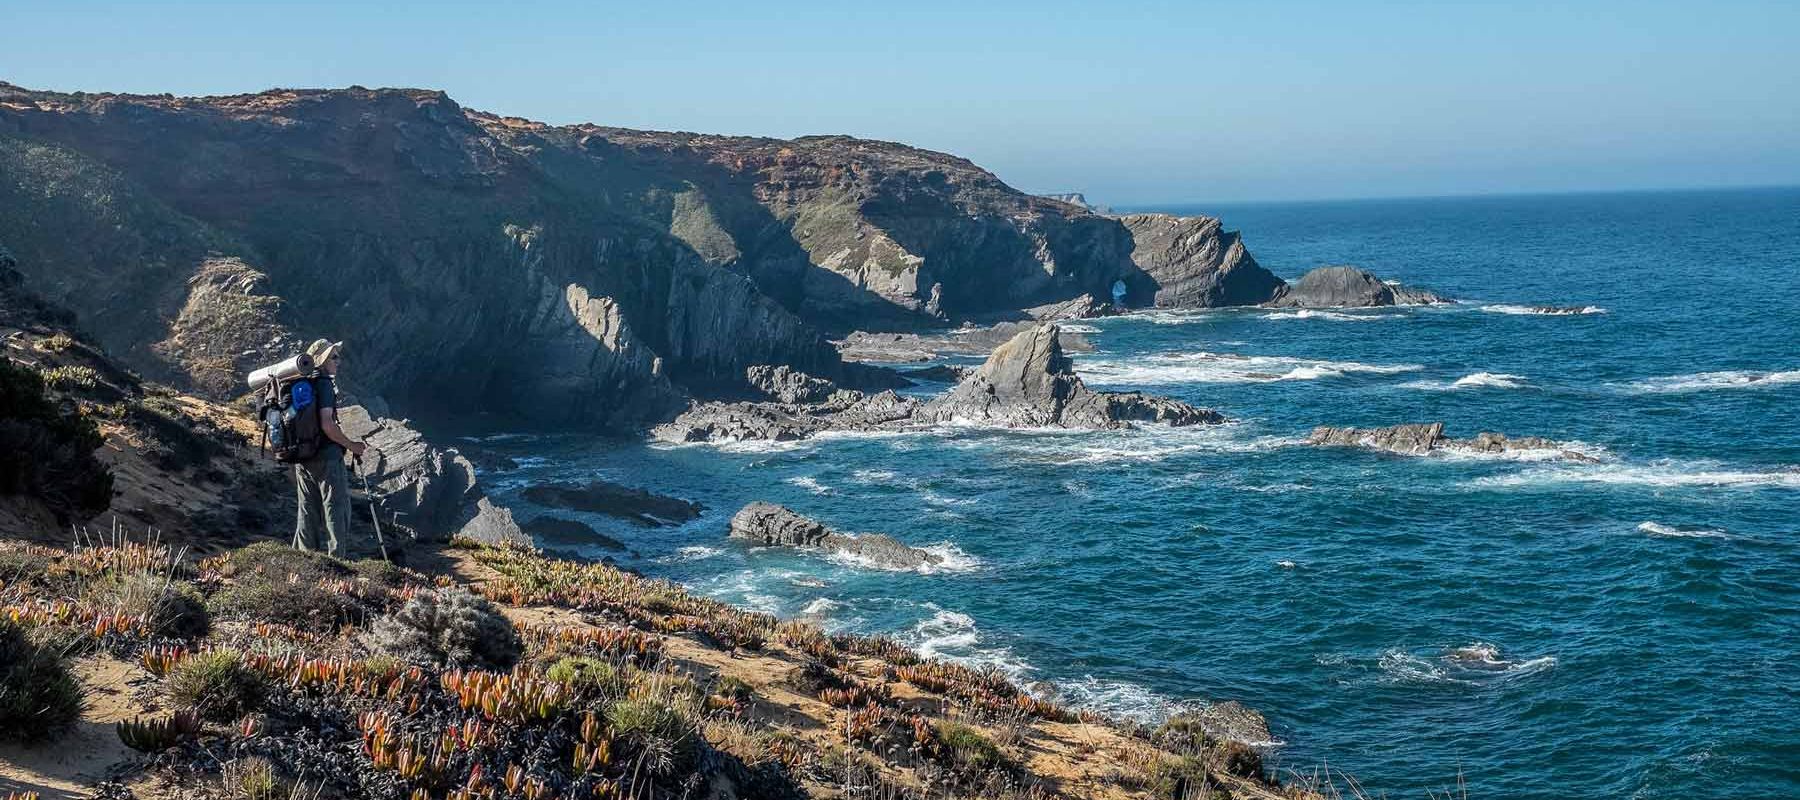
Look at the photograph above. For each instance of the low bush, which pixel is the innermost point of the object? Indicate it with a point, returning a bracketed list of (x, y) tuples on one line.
[(969, 749), (661, 726), (173, 609), (450, 627), (39, 698), (216, 685), (253, 778), (588, 674), (272, 582), (46, 452)]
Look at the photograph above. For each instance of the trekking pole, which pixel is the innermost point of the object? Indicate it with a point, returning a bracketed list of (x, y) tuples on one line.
[(373, 516)]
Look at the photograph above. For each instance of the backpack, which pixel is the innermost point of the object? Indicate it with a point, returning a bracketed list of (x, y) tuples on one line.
[(290, 419)]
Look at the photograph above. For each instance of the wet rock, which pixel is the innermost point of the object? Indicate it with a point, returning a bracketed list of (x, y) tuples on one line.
[(571, 531), (970, 340), (1348, 287), (738, 422), (778, 526), (1423, 438), (603, 497)]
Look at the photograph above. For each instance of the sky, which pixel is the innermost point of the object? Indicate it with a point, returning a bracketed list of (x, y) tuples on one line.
[(1134, 104)]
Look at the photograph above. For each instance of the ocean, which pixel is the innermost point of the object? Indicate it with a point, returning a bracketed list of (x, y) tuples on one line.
[(1540, 627)]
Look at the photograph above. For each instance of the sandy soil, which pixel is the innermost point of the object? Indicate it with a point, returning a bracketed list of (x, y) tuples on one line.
[(70, 767)]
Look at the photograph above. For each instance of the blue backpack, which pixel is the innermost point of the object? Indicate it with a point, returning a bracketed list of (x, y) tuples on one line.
[(290, 417)]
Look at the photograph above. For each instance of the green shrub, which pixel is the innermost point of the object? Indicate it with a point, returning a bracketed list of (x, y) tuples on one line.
[(450, 627), (587, 673), (21, 563), (660, 727), (733, 688), (39, 699), (275, 583), (216, 685), (46, 452), (253, 778), (1241, 760), (173, 609), (71, 377), (968, 748)]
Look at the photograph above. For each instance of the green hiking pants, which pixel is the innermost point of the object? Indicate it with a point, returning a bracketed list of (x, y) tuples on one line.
[(323, 487)]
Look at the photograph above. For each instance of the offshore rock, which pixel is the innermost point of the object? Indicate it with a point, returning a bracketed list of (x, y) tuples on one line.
[(614, 500), (777, 526), (1233, 721), (1193, 262), (1349, 287), (969, 340), (1028, 383), (571, 532), (1423, 438), (941, 373)]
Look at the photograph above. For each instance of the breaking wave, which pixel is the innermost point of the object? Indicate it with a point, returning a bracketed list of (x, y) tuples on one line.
[(1709, 381), (1335, 316), (1542, 311), (1205, 367), (808, 483), (953, 636), (1658, 529), (1474, 664), (1661, 474), (1479, 380)]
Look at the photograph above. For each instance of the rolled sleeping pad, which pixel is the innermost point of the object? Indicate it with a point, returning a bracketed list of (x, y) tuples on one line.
[(291, 368)]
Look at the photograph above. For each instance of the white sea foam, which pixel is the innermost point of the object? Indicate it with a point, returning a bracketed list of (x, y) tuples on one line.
[(1075, 327), (1149, 444), (1710, 381), (1116, 699), (1658, 529), (875, 476), (820, 607), (953, 560), (1572, 450), (1205, 367), (696, 552), (1285, 564), (1469, 665), (808, 483), (1660, 474), (1479, 380), (1334, 316), (1542, 311), (953, 636)]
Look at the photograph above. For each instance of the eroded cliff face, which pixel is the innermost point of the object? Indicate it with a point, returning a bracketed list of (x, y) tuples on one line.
[(575, 275)]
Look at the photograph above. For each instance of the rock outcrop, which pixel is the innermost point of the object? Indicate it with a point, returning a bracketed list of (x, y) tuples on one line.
[(777, 526), (1348, 287), (784, 384), (424, 492), (1193, 262), (1422, 438), (1028, 382), (624, 502)]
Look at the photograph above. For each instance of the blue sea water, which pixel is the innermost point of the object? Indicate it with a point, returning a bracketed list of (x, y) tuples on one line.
[(1545, 628)]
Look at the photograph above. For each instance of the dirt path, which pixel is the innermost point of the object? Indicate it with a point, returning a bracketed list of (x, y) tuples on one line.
[(69, 767)]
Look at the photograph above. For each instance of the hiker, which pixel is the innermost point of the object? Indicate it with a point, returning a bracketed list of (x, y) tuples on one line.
[(321, 482)]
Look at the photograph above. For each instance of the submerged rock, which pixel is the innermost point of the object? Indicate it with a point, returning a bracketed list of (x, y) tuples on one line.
[(772, 525), (1349, 287), (568, 530), (602, 497), (1029, 382), (1423, 438)]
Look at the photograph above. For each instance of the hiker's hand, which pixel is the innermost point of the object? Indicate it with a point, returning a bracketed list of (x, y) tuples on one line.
[(357, 448)]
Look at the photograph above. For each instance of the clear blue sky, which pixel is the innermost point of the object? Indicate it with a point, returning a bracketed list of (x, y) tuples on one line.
[(1132, 103)]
